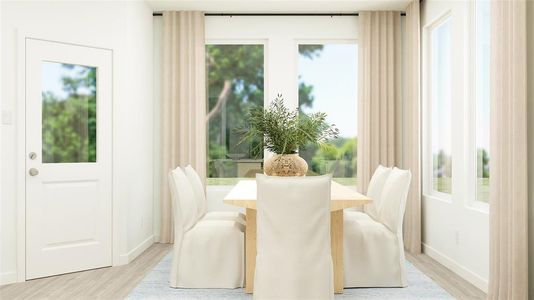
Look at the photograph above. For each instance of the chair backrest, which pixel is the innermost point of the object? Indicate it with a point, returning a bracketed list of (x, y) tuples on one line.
[(374, 190), (184, 202), (198, 189), (393, 199), (294, 258)]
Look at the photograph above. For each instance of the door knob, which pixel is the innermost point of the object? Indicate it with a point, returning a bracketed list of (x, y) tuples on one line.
[(34, 172)]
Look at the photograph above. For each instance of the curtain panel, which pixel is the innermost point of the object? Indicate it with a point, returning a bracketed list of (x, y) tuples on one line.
[(508, 148), (183, 107), (412, 137), (379, 93), (384, 121)]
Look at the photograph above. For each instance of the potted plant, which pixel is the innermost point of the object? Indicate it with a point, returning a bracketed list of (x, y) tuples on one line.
[(283, 132)]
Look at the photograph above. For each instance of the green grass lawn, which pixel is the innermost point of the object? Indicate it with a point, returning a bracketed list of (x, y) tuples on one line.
[(483, 189), (351, 181), (234, 181), (443, 184), (224, 181)]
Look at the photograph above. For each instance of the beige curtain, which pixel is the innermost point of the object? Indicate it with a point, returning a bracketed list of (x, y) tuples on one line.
[(183, 108), (412, 158), (508, 148), (379, 97)]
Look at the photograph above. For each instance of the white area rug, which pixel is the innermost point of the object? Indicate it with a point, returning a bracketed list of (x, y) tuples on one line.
[(156, 286)]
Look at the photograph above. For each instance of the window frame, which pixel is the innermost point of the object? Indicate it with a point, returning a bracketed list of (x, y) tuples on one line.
[(427, 155), (463, 114), (288, 32), (472, 201), (353, 41), (236, 42)]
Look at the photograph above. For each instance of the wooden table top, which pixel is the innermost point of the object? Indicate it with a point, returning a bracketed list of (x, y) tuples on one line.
[(244, 195)]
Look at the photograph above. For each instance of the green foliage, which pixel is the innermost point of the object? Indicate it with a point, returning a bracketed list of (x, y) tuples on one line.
[(235, 83), (442, 164), (306, 96), (442, 167), (241, 68), (310, 51), (443, 174), (483, 163), (284, 131), (69, 124), (235, 76), (338, 158)]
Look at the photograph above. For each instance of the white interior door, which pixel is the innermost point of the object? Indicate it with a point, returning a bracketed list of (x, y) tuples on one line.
[(68, 158)]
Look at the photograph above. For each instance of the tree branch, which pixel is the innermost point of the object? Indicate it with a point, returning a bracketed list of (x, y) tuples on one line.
[(221, 99)]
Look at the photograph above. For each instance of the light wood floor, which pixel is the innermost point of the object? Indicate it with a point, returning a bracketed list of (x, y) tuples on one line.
[(449, 281), (117, 282), (104, 283)]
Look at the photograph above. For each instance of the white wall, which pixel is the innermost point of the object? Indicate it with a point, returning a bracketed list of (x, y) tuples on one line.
[(455, 231), (136, 138), (277, 6), (158, 30), (279, 35), (126, 28), (530, 82)]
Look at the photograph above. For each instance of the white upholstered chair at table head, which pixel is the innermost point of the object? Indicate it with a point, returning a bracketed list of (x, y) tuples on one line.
[(374, 190), (202, 203), (373, 245), (207, 253), (293, 258)]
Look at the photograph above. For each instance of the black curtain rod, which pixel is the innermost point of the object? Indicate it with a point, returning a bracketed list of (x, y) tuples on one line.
[(277, 14)]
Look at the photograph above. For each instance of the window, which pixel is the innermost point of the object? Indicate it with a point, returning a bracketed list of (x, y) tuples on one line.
[(69, 113), (252, 60), (235, 83), (482, 96), (327, 83), (440, 103)]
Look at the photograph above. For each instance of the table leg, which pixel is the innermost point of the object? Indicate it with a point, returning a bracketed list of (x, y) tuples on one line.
[(250, 250), (336, 236)]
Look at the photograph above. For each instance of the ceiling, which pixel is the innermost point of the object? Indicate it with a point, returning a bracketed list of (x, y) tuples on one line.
[(277, 6)]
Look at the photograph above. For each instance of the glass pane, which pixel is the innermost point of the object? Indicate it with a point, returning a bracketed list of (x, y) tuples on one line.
[(328, 83), (235, 83), (69, 113), (482, 73), (441, 107)]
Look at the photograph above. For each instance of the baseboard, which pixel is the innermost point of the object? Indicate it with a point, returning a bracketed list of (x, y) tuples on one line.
[(8, 277), (11, 277), (127, 258), (454, 266)]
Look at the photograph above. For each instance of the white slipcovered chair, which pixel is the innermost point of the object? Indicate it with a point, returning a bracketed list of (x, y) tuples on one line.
[(293, 258), (202, 203), (373, 245), (207, 253)]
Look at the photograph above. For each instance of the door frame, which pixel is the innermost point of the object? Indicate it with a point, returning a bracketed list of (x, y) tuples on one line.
[(117, 240)]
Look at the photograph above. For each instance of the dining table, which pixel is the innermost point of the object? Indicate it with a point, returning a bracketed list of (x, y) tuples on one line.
[(244, 194)]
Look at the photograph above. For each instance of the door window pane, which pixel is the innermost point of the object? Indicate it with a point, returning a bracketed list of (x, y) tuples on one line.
[(235, 83), (441, 107), (482, 81), (328, 83), (68, 113)]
